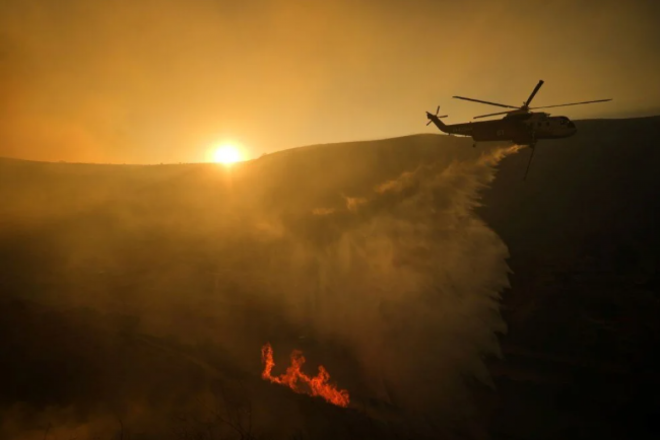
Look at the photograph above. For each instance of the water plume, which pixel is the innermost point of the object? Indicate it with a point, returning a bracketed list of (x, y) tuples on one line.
[(410, 278)]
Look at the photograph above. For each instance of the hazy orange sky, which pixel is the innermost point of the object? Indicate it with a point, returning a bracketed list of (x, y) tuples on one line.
[(152, 81)]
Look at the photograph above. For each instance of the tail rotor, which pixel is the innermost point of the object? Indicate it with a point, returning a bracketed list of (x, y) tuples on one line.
[(436, 115)]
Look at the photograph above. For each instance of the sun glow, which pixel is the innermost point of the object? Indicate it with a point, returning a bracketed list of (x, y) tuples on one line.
[(226, 154)]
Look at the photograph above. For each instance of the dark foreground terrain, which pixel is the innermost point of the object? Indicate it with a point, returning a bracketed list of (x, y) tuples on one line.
[(582, 348), (135, 299)]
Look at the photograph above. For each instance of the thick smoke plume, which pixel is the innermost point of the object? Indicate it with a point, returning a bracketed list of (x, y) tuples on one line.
[(132, 288), (409, 278)]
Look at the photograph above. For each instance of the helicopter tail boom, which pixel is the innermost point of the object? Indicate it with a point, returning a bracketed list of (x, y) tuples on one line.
[(435, 119)]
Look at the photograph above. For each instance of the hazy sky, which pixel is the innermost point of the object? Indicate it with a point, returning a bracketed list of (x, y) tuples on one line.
[(153, 81)]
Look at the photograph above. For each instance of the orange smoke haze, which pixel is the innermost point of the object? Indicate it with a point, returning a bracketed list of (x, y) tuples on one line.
[(164, 81), (297, 381)]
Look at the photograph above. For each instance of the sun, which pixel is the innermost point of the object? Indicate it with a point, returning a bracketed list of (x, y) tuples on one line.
[(227, 154)]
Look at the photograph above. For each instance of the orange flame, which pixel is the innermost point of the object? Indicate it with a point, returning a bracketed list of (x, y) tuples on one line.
[(297, 381)]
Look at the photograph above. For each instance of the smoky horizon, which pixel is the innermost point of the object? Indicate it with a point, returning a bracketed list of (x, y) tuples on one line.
[(168, 81)]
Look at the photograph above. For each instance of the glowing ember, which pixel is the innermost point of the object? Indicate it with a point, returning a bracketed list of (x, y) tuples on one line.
[(295, 379)]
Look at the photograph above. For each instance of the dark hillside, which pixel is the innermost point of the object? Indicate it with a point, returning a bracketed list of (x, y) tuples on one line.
[(131, 295), (585, 248)]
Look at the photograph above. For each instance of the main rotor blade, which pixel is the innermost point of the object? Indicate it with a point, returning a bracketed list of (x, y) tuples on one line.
[(485, 102), (536, 89), (490, 114), (572, 104)]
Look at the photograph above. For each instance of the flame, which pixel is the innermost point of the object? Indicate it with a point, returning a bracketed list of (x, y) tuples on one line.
[(297, 381)]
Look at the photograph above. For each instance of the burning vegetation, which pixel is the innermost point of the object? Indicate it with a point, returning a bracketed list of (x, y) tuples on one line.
[(301, 383)]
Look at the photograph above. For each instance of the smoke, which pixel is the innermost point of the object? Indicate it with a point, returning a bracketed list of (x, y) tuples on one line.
[(22, 422), (409, 278), (380, 263)]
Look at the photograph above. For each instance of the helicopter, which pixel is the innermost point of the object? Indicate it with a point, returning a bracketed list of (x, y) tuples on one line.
[(520, 125)]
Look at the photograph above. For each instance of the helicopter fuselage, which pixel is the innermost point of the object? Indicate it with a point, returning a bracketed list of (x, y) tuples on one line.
[(522, 126), (520, 129)]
